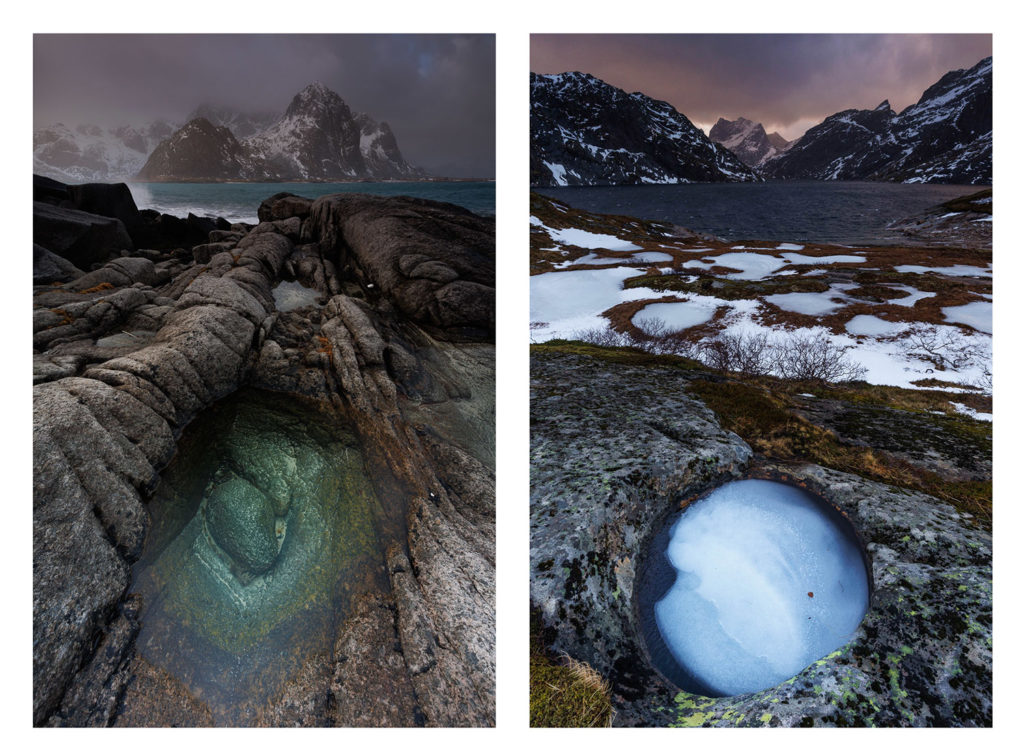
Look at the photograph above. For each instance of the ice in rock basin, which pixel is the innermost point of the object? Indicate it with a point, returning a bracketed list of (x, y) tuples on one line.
[(767, 581)]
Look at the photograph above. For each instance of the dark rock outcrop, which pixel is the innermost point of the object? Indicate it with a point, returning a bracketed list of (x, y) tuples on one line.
[(84, 239), (50, 268), (110, 200), (128, 355)]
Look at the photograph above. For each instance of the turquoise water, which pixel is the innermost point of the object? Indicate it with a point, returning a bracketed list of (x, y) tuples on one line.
[(263, 532), (238, 202)]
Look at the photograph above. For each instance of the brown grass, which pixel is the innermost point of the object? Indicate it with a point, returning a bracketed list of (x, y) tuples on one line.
[(105, 286), (763, 417)]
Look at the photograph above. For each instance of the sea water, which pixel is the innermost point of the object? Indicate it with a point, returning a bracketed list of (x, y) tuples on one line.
[(238, 202)]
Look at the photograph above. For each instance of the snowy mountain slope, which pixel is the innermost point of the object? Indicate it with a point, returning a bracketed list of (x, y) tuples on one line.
[(946, 137), (747, 140), (92, 153), (584, 131), (198, 151), (319, 138)]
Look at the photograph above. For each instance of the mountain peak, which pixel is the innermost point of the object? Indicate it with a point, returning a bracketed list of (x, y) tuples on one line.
[(585, 131), (746, 139), (317, 98)]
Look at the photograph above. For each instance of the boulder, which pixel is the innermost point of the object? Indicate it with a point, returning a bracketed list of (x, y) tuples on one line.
[(82, 238), (124, 271), (48, 190), (110, 200), (50, 268), (282, 206)]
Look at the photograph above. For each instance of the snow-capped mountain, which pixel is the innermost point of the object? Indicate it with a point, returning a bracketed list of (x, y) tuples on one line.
[(91, 153), (318, 138), (198, 151), (747, 140), (945, 137), (584, 131)]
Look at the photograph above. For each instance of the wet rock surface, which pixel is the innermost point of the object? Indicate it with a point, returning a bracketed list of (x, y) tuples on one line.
[(127, 356), (617, 448)]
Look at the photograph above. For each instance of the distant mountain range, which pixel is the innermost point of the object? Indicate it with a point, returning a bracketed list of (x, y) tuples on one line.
[(91, 153), (748, 141), (585, 132), (318, 138), (945, 137)]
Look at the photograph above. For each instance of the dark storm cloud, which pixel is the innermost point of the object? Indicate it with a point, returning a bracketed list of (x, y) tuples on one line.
[(788, 82), (436, 91)]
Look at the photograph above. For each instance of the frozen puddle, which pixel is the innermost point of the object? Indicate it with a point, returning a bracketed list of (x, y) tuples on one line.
[(291, 295), (750, 585), (812, 302), (870, 325), (577, 237), (566, 302), (978, 315), (639, 257), (753, 266), (677, 316), (951, 270)]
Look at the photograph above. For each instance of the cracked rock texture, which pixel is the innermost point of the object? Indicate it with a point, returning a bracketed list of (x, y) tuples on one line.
[(615, 449), (127, 354)]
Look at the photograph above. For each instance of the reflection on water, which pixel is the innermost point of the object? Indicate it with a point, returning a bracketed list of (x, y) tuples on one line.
[(263, 530)]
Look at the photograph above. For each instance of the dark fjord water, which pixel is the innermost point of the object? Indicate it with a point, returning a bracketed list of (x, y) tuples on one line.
[(843, 212), (238, 201)]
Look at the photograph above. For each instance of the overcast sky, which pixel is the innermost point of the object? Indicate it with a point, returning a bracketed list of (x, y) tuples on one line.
[(788, 82), (435, 91)]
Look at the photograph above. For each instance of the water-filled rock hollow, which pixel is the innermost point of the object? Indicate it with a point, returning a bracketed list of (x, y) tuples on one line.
[(749, 585), (263, 530)]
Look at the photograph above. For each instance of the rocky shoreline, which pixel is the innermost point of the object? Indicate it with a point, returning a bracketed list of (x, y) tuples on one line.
[(143, 321)]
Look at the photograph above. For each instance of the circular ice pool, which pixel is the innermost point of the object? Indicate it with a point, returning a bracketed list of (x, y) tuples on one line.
[(748, 586)]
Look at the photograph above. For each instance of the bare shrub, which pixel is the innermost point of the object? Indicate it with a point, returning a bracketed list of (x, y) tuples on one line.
[(604, 337), (943, 347), (750, 354), (816, 358), (812, 357)]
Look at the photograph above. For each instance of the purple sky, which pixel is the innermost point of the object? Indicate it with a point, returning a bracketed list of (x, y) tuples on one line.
[(436, 91), (788, 82)]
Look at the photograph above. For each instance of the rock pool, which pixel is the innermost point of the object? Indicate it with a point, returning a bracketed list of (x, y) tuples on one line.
[(263, 532), (749, 585)]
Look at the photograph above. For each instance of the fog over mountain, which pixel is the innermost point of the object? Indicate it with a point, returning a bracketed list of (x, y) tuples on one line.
[(436, 91)]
